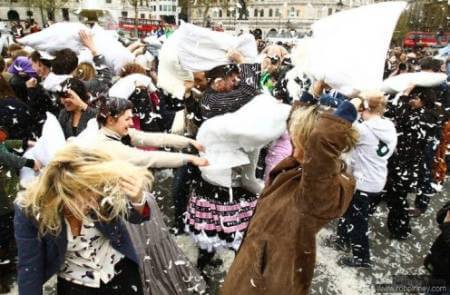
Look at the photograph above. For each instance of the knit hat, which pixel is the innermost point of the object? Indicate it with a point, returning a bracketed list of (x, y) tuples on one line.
[(22, 65)]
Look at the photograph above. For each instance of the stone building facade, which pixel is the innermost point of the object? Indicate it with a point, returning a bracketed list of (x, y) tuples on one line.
[(271, 15), (147, 9)]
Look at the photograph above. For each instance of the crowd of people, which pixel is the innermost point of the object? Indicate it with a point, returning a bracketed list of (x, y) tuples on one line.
[(90, 217)]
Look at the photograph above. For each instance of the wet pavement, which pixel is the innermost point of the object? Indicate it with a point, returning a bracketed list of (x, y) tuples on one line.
[(389, 257)]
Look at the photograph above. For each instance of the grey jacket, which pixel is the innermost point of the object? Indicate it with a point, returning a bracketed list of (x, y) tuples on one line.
[(65, 119)]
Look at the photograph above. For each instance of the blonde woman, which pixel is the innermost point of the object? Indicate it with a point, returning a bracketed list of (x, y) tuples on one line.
[(304, 193), (69, 223)]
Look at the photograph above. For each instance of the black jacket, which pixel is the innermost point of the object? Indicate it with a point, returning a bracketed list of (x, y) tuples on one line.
[(437, 262), (39, 102), (415, 129)]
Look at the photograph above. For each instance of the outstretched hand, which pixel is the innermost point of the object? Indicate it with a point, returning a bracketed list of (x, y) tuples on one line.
[(87, 40), (197, 161), (37, 165), (198, 146)]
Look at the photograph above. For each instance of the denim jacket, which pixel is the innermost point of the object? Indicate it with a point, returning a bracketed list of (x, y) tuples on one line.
[(40, 257)]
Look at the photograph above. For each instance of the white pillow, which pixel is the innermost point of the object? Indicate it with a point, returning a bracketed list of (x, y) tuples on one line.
[(403, 81), (58, 36), (125, 86)]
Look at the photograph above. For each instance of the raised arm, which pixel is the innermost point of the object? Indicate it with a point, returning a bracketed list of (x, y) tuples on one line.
[(153, 159), (324, 185), (142, 139)]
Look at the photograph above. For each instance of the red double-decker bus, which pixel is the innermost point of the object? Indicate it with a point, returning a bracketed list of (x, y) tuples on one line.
[(143, 25)]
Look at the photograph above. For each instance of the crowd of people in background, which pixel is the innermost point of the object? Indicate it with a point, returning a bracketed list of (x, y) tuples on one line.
[(91, 219)]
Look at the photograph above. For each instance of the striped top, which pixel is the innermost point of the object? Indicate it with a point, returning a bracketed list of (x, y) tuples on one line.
[(217, 103)]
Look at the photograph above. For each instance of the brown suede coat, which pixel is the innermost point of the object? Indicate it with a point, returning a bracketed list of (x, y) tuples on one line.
[(278, 253)]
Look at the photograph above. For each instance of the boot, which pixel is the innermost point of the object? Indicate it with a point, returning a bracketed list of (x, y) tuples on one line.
[(4, 278)]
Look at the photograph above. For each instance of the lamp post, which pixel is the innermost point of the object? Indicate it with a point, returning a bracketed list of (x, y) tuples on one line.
[(237, 6), (340, 5)]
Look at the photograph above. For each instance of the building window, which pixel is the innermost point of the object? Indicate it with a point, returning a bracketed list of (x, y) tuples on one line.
[(228, 13), (65, 14), (141, 2), (108, 1), (13, 15), (142, 15), (292, 12), (277, 12), (220, 13), (174, 8), (261, 12), (124, 13), (50, 15), (256, 13), (270, 12), (330, 11)]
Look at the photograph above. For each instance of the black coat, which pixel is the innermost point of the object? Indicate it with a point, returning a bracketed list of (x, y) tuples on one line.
[(415, 129), (437, 262), (15, 118), (41, 101)]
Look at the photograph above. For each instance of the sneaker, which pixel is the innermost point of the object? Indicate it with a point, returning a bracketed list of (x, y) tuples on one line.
[(350, 261), (333, 242)]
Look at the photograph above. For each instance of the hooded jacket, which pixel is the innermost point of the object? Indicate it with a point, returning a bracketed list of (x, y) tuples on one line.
[(279, 250), (377, 142)]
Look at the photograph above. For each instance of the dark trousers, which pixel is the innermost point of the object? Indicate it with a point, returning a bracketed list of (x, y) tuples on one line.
[(6, 230), (180, 191), (425, 190), (398, 217), (353, 227), (126, 282)]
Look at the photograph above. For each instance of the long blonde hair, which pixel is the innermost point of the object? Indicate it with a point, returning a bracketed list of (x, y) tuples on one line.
[(79, 181), (304, 119)]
